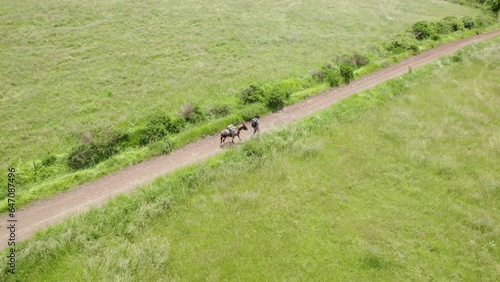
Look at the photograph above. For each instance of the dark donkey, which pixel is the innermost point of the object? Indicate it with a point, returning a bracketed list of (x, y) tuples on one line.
[(226, 133)]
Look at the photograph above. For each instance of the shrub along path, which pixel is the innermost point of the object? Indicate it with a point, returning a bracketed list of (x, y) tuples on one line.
[(45, 213)]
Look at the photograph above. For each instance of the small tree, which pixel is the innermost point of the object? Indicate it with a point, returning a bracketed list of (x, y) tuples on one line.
[(347, 72), (276, 100), (422, 30), (253, 94)]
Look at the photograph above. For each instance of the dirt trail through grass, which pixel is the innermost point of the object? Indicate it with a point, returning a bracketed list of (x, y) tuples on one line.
[(43, 214)]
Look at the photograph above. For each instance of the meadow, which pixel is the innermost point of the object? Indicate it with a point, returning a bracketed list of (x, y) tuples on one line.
[(396, 183), (69, 67)]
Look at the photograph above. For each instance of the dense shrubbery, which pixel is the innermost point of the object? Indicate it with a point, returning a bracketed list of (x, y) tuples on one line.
[(192, 113), (274, 96), (328, 73), (468, 22), (454, 23), (160, 125), (276, 100), (220, 110), (422, 30), (347, 72), (402, 43), (102, 144), (253, 94)]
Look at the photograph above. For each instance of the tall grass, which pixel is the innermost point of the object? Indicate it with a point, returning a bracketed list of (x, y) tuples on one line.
[(396, 183)]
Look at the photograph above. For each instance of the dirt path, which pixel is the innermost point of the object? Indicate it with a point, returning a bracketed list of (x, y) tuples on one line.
[(43, 214)]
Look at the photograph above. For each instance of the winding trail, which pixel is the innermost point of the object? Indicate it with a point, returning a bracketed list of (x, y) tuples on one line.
[(45, 213)]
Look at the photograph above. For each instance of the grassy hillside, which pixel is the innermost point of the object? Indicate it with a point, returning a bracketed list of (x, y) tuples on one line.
[(68, 67), (397, 183)]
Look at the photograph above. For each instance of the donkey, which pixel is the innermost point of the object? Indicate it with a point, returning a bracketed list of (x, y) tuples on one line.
[(226, 133)]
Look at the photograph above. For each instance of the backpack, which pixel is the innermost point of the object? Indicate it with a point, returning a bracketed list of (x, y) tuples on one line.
[(254, 122)]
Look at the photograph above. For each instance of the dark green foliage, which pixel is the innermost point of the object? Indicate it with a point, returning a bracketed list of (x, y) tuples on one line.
[(192, 113), (138, 137), (160, 125), (274, 96), (422, 30), (468, 22), (49, 160), (435, 37), (493, 5), (331, 75), (87, 155), (454, 23), (481, 21), (402, 43), (253, 94), (276, 100), (347, 72), (103, 144), (318, 75), (220, 110), (357, 60), (441, 27), (457, 57), (360, 60)]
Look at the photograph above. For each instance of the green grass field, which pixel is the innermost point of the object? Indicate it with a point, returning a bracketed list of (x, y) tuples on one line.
[(397, 183), (68, 67)]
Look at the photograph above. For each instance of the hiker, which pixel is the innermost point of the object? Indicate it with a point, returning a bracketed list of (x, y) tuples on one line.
[(255, 124)]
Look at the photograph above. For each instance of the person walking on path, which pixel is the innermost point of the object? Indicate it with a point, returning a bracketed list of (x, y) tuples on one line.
[(255, 124)]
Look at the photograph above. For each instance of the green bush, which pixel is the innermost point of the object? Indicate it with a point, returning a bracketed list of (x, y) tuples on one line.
[(357, 60), (422, 30), (454, 23), (192, 113), (435, 37), (468, 22), (276, 100), (447, 25), (360, 60), (220, 110), (493, 5), (252, 94), (318, 75), (441, 27), (332, 75), (49, 160), (103, 144), (159, 125), (347, 72), (402, 43), (482, 21)]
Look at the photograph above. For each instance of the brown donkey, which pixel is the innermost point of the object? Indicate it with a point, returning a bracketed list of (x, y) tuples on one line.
[(226, 133)]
